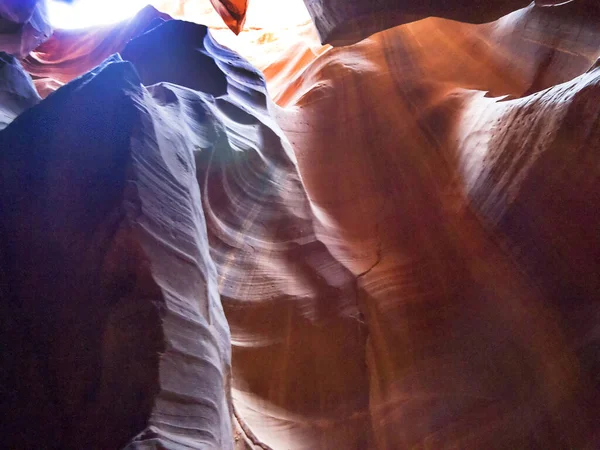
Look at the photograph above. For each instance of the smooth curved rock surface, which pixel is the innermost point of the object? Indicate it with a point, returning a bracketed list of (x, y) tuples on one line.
[(452, 340), (110, 312), (71, 53), (469, 343), (406, 247), (23, 26), (233, 12), (343, 22), (521, 53), (272, 285), (524, 52)]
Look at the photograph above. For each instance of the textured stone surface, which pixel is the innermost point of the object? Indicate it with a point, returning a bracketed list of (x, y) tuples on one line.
[(17, 92), (23, 26), (405, 247), (474, 249), (342, 22), (111, 318), (70, 53), (521, 53), (283, 292), (469, 345)]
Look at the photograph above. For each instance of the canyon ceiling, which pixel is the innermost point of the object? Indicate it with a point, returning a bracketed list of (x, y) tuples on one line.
[(374, 231)]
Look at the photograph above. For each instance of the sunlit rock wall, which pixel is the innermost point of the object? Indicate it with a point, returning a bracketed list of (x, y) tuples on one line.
[(401, 233)]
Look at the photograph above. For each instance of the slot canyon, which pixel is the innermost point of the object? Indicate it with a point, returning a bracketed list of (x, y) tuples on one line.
[(300, 225)]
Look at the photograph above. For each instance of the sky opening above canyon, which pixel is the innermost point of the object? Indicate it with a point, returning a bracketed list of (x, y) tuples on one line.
[(273, 28), (264, 14), (87, 13)]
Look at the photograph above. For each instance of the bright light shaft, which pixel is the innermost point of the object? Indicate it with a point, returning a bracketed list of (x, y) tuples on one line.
[(88, 13), (266, 14)]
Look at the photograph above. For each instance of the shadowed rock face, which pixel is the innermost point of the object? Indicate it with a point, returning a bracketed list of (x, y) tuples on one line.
[(343, 22), (110, 309), (17, 92), (405, 249), (23, 26)]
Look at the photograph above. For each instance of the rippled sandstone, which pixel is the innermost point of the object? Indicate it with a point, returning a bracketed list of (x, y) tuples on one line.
[(404, 245)]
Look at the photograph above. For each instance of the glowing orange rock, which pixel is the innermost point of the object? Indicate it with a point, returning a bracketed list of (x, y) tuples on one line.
[(233, 12), (406, 246)]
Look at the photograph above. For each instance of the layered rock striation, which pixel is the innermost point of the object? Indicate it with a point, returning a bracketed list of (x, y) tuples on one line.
[(112, 326), (404, 246)]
